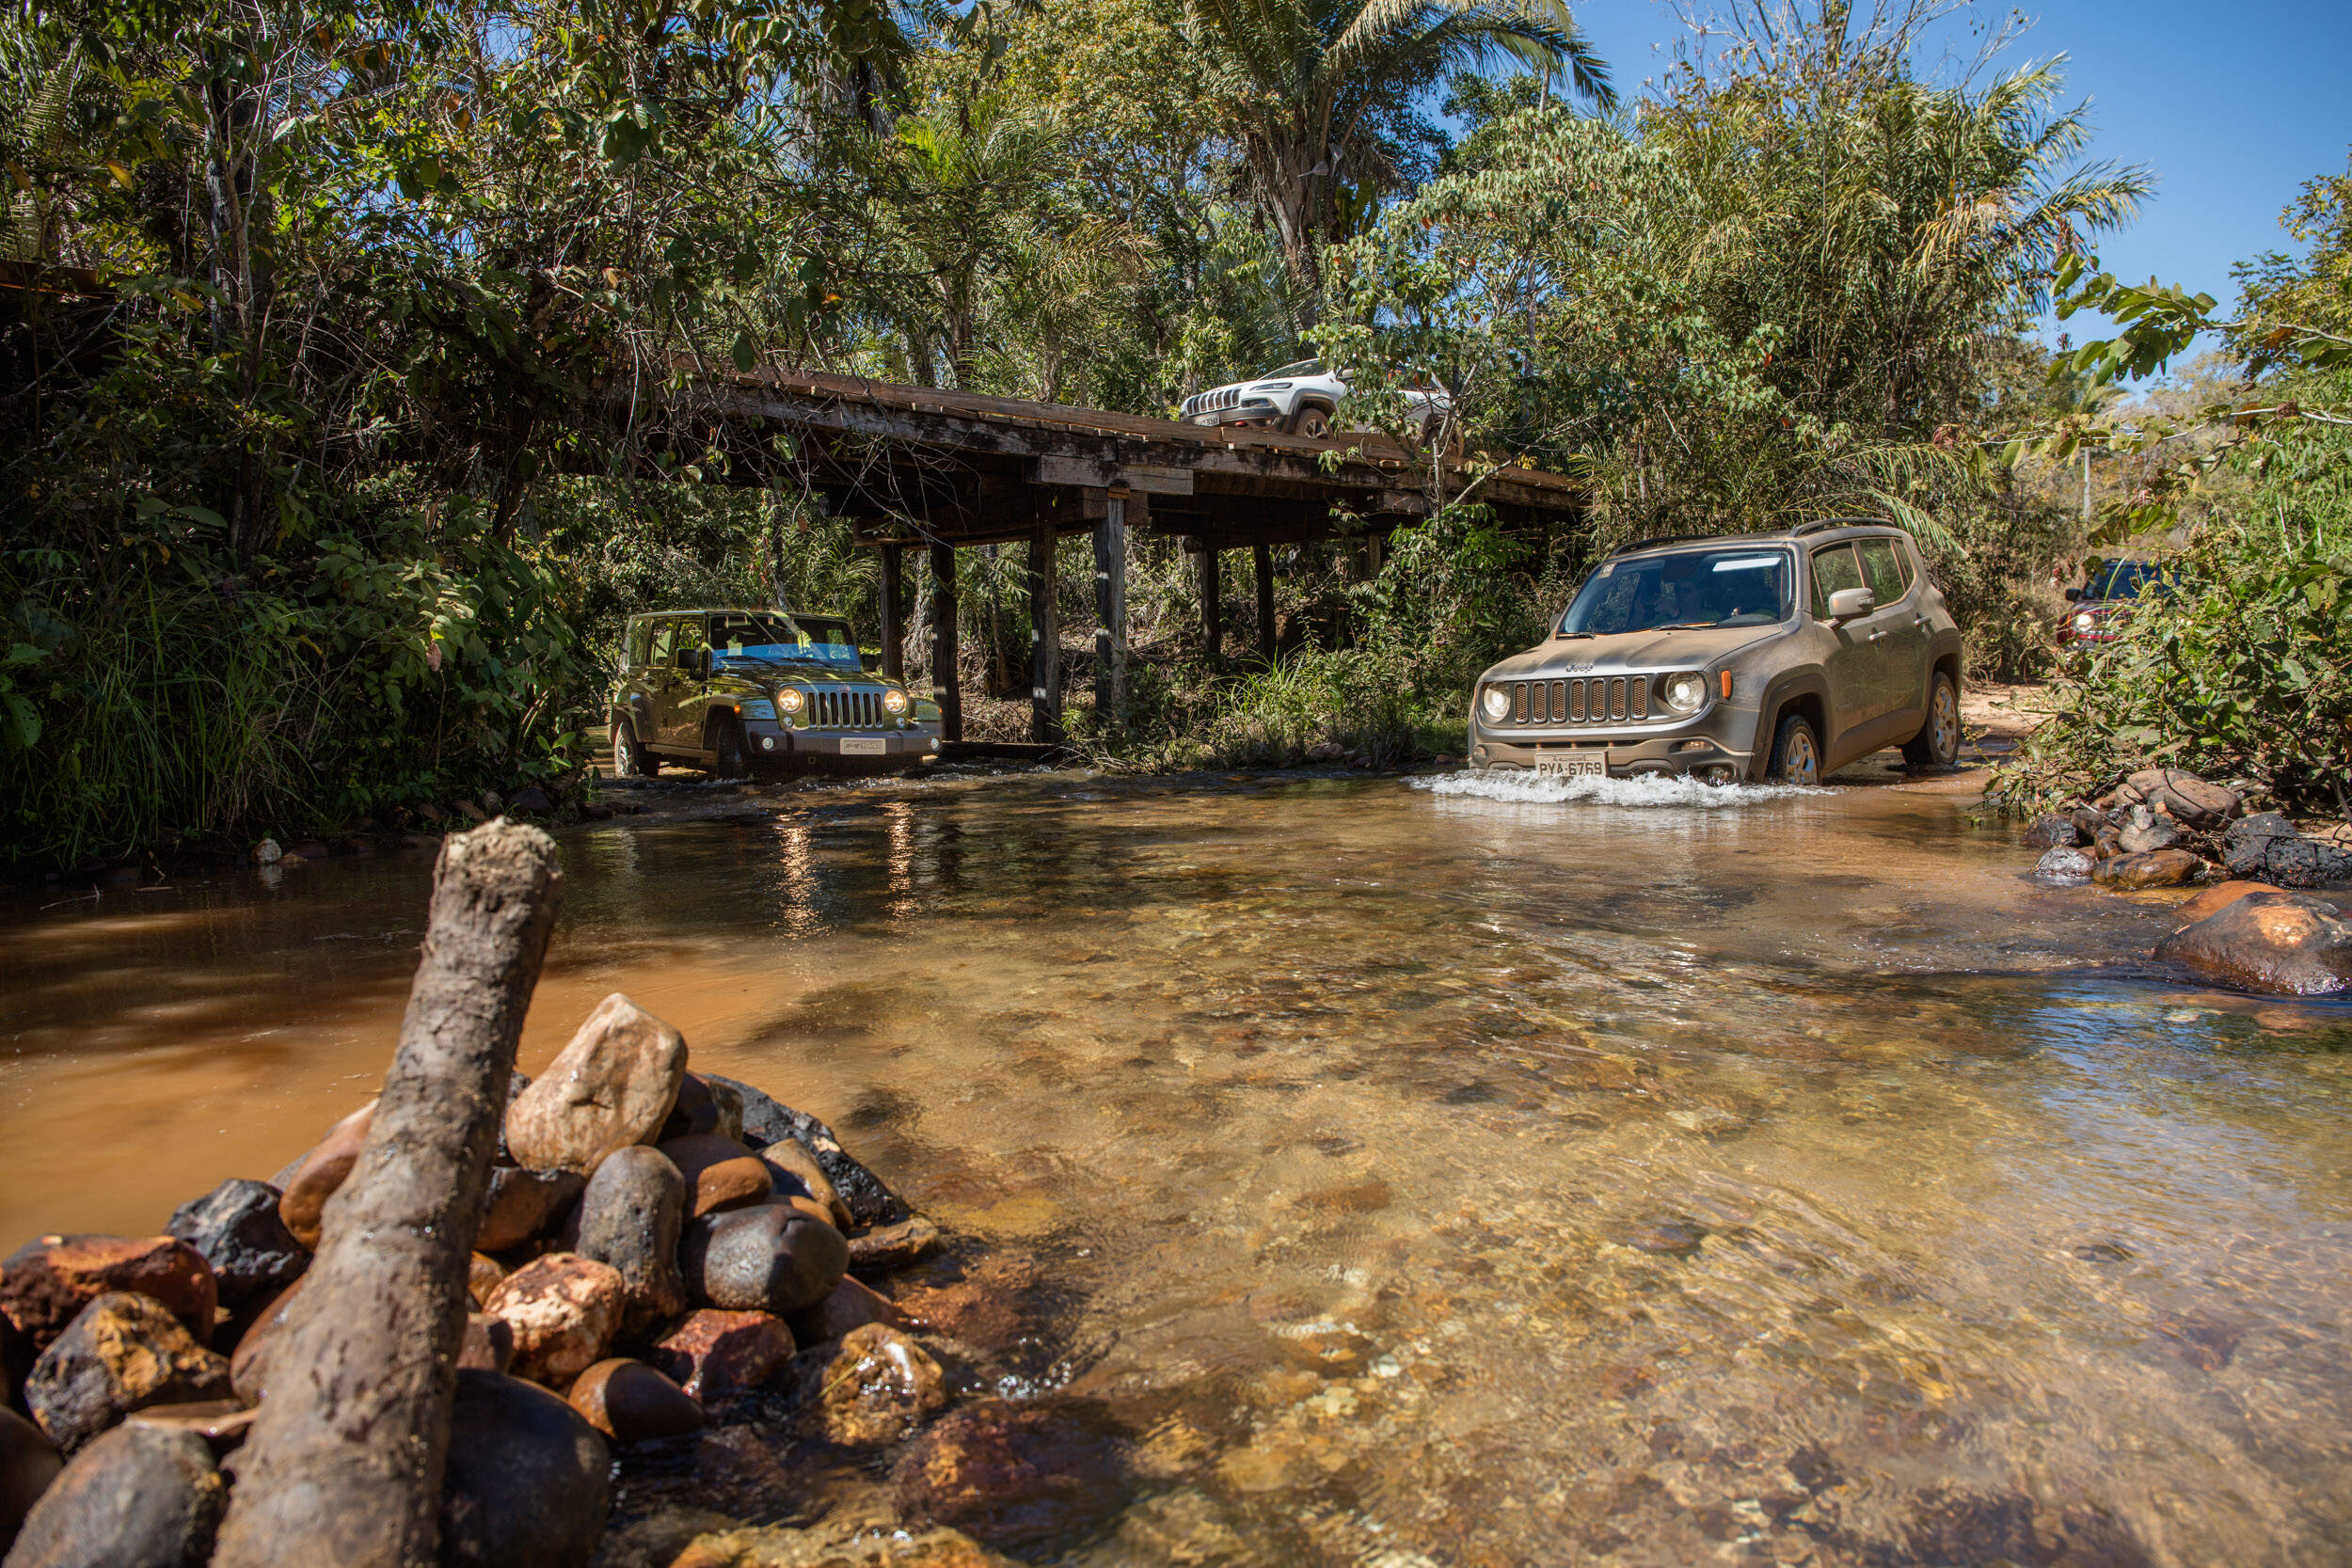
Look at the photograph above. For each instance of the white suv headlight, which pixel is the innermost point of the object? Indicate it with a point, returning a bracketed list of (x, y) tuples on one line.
[(1497, 702), (1685, 693), (893, 701), (791, 700)]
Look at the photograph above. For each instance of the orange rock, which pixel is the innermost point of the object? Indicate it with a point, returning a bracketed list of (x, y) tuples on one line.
[(711, 1353), (248, 1365), (721, 1173), (46, 1283), (2214, 900), (878, 1388), (564, 1310), (630, 1402), (790, 1162), (320, 1172), (2155, 868), (2283, 943)]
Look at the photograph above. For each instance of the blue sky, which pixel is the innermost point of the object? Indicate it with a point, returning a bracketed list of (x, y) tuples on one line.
[(2232, 104)]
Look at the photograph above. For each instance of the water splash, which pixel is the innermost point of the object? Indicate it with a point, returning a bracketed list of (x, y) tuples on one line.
[(1651, 789)]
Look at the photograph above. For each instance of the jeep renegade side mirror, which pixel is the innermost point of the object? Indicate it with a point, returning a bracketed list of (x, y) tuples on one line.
[(1847, 603), (2073, 596)]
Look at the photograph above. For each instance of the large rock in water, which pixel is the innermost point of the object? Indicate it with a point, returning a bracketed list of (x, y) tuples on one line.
[(46, 1283), (2155, 868), (238, 1229), (613, 1086), (124, 1353), (1035, 1477), (565, 1309), (878, 1388), (529, 1481), (29, 1463), (140, 1496), (767, 1121), (2285, 943), (629, 1219), (2270, 848), (770, 1258), (2186, 799)]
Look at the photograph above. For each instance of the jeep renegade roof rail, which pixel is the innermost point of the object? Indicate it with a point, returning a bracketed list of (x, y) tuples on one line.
[(1663, 540)]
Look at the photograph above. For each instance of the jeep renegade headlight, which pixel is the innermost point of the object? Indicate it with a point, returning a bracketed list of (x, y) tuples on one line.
[(893, 701), (1497, 703), (1686, 693), (791, 701)]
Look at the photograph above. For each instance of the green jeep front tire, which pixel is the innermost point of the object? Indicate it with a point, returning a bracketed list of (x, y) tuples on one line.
[(630, 760)]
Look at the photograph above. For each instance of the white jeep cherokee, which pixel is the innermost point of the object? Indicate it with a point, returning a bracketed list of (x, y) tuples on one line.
[(1304, 400)]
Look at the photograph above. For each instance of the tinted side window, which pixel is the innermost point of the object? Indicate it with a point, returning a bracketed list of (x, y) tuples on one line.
[(1834, 569), (1878, 564)]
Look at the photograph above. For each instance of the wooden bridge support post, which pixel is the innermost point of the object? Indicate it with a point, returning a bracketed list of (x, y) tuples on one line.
[(947, 685), (1110, 613), (1044, 641), (1262, 558), (1212, 607), (894, 612)]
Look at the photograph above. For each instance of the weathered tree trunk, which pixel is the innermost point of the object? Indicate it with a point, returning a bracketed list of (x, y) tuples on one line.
[(345, 1463)]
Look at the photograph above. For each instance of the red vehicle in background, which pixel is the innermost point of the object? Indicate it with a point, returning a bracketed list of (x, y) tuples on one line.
[(2102, 605)]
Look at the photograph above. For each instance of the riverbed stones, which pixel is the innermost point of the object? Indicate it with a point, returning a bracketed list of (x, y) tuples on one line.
[(2052, 832), (2156, 868), (2213, 901), (529, 1480), (488, 1346), (629, 1218), (631, 1403), (238, 1228), (2192, 801), (714, 1352), (222, 1423), (721, 1173), (46, 1283), (704, 1106), (1035, 1477), (848, 1308), (2270, 848), (524, 1204), (317, 1175), (482, 1276), (770, 1258), (2288, 943), (249, 1364), (877, 1387), (612, 1086), (767, 1121), (790, 1163), (139, 1496), (2064, 866), (29, 1463), (565, 1309), (2145, 831), (897, 1247), (124, 1352)]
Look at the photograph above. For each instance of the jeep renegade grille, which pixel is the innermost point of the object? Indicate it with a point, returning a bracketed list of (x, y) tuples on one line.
[(1598, 701)]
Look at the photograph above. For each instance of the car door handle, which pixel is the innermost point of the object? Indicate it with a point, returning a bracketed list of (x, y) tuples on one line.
[(1879, 633), (1919, 621)]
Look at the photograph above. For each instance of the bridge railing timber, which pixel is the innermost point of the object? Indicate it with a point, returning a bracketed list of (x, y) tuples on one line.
[(945, 468)]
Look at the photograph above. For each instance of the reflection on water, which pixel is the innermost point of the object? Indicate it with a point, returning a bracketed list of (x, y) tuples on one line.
[(1424, 1175)]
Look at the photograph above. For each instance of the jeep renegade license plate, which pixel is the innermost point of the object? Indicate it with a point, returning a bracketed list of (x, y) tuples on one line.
[(1573, 768), (864, 746)]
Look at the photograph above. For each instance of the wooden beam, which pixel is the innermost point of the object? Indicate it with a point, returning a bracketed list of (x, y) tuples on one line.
[(1211, 607), (894, 612), (1044, 640), (946, 686), (1262, 558), (1110, 613)]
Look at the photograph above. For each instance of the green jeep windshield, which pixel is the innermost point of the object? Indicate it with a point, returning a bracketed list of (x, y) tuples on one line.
[(1689, 589), (741, 638)]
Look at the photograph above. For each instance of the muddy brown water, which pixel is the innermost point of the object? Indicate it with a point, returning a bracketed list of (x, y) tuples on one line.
[(1419, 1177)]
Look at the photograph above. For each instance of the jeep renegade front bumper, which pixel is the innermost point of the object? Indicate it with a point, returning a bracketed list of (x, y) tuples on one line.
[(1721, 736)]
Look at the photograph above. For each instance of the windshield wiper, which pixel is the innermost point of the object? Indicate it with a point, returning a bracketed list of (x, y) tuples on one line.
[(1572, 636), (1689, 625)]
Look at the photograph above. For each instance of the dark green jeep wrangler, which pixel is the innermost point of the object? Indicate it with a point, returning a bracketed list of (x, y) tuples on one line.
[(737, 690)]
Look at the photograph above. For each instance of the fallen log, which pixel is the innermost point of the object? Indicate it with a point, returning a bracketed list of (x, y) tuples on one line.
[(345, 1460)]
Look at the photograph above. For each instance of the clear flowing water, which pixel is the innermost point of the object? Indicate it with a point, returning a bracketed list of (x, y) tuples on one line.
[(1421, 1174)]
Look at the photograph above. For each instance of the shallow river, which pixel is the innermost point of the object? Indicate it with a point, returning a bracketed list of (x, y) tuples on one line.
[(1421, 1176)]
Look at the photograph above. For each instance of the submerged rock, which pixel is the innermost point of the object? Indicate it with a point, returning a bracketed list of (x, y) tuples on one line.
[(2063, 867), (238, 1228), (612, 1086), (2214, 900), (564, 1310), (139, 1496), (770, 1258), (46, 1284), (529, 1481), (123, 1353), (2285, 942), (1035, 1477), (878, 1388)]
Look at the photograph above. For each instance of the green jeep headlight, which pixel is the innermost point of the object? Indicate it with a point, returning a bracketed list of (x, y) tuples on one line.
[(790, 700), (893, 701)]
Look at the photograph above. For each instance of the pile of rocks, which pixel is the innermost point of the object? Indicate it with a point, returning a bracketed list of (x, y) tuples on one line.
[(2162, 827), (653, 1243)]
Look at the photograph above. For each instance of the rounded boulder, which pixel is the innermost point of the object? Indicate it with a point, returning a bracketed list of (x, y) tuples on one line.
[(29, 1463), (2287, 943), (614, 1085), (524, 1204), (318, 1175), (712, 1354), (124, 1353), (529, 1480), (631, 1217), (564, 1310), (720, 1173), (770, 1258), (630, 1402), (238, 1228), (139, 1496)]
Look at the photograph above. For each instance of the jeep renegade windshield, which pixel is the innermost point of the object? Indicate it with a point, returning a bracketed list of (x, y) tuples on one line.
[(1688, 589), (775, 640)]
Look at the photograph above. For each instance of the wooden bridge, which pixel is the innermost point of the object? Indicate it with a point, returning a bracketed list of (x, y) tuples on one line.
[(915, 465)]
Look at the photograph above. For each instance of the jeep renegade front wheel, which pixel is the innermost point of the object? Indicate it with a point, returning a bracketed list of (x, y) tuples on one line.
[(1796, 753), (630, 760), (1937, 744)]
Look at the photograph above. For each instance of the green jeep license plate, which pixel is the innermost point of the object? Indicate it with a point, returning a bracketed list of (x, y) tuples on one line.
[(864, 746)]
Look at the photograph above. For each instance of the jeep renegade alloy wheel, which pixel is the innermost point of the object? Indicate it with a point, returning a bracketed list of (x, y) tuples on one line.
[(1796, 753), (630, 760), (1937, 744)]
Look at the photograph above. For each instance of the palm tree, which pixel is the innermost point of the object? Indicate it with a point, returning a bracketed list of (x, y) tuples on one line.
[(1318, 86)]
